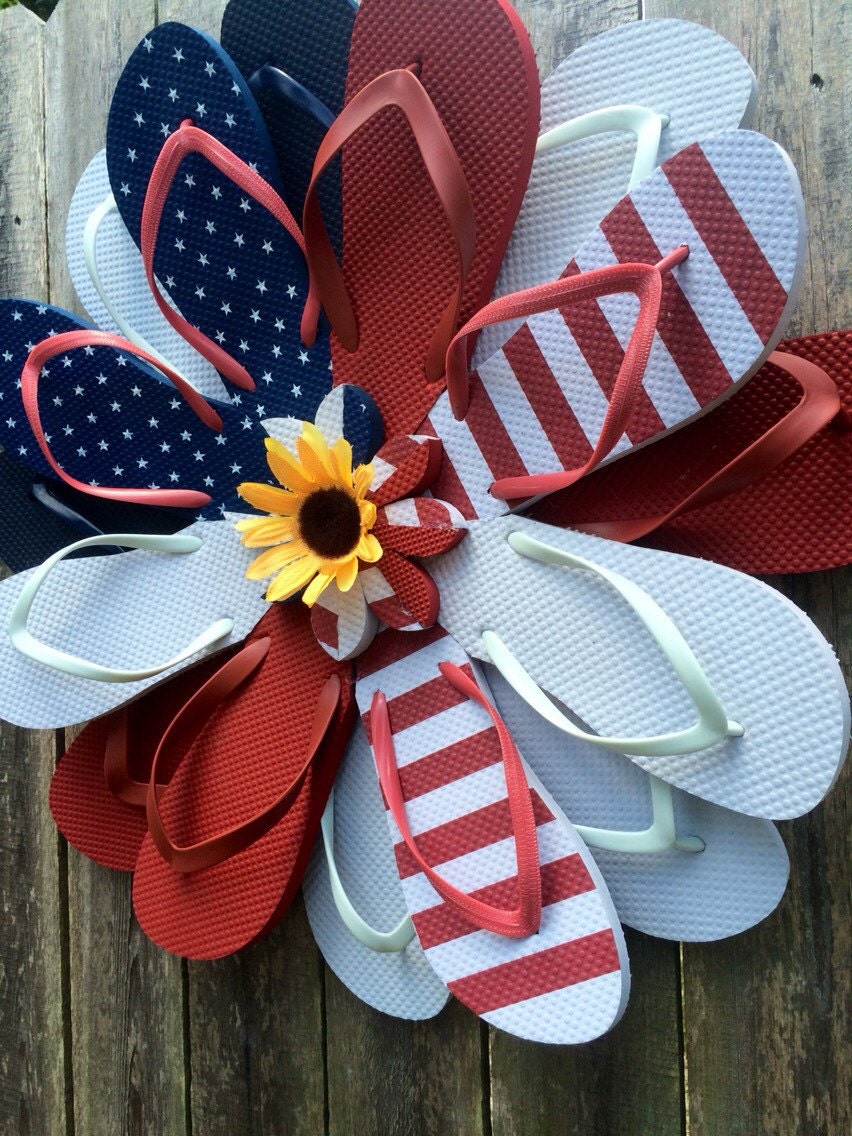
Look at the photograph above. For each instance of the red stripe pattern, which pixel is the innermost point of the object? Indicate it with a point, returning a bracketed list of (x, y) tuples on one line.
[(537, 404), (451, 774)]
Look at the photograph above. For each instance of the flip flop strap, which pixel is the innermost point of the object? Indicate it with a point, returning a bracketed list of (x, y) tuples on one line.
[(713, 724), (25, 642), (94, 221), (400, 88), (272, 78), (818, 406), (189, 139), (48, 349), (117, 774), (382, 942), (517, 922), (645, 124), (645, 281), (185, 729)]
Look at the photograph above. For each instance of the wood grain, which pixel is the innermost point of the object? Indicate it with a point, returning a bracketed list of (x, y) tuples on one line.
[(33, 968)]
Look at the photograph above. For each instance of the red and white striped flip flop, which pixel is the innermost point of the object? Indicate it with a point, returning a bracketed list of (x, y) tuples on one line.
[(675, 300), (507, 902), (760, 484), (454, 86), (258, 746)]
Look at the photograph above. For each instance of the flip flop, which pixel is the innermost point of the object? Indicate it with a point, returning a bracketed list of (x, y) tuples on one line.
[(355, 902), (229, 837), (196, 182), (294, 55), (712, 244), (760, 484), (109, 278), (421, 249), (97, 793), (508, 904), (648, 640), (676, 867), (618, 106)]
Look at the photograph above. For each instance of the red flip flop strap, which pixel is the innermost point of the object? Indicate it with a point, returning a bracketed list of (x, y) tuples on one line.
[(645, 281), (819, 405), (43, 352), (186, 728), (116, 767), (525, 918), (188, 139), (400, 88)]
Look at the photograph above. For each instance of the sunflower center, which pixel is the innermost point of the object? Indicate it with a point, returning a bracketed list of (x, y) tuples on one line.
[(330, 522)]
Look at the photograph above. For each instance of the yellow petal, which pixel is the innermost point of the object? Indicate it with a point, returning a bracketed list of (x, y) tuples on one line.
[(277, 557), (362, 479), (316, 588), (269, 498), (268, 530), (287, 468), (342, 455), (315, 456), (368, 514), (291, 579), (347, 574), (369, 549)]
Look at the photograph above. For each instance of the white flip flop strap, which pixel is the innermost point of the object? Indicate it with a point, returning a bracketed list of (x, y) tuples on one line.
[(90, 239), (658, 837), (712, 725), (646, 125), (383, 942), (33, 648)]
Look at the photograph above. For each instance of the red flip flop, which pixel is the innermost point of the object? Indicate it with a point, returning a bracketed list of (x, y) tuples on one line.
[(257, 747), (438, 136), (760, 484), (97, 792)]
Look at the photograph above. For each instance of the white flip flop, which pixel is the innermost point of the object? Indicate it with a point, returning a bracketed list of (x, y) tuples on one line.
[(715, 873), (355, 903), (109, 278), (75, 625), (636, 642), (619, 105)]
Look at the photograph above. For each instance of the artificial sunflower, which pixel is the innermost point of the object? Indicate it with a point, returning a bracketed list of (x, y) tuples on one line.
[(320, 522)]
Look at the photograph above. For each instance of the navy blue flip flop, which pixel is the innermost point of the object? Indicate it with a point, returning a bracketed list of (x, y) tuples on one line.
[(112, 420), (230, 267), (294, 55)]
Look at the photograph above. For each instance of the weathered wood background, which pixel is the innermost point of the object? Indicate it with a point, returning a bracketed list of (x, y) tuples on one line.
[(102, 1034)]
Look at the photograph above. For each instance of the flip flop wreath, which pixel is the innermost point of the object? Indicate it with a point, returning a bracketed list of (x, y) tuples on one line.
[(483, 740)]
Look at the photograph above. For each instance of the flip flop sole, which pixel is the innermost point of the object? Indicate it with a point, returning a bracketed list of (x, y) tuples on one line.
[(399, 258), (771, 669)]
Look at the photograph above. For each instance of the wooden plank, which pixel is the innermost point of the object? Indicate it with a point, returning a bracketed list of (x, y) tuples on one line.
[(33, 972), (763, 1013), (256, 1037), (630, 1081), (407, 1078), (126, 995)]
